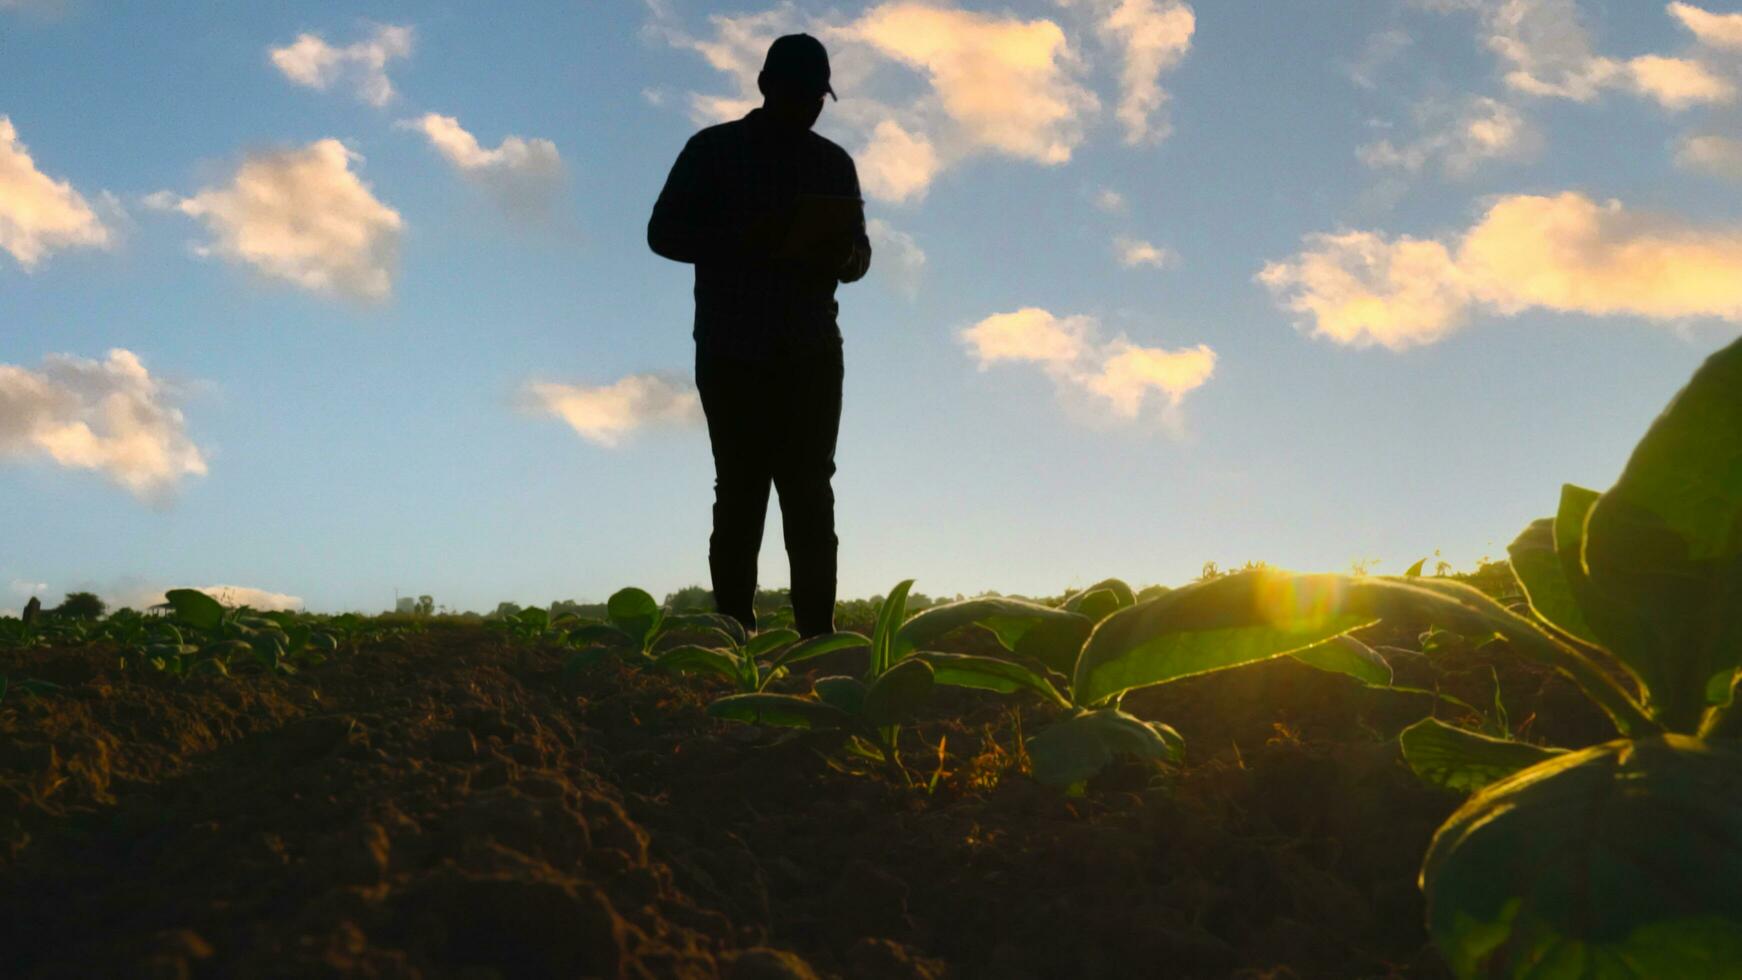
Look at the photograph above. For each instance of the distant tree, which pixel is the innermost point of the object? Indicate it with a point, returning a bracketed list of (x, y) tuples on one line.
[(405, 604), (505, 609), (583, 610), (80, 605), (425, 605), (690, 598)]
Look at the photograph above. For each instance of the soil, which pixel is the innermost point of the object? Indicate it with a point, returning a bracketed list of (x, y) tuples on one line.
[(450, 804)]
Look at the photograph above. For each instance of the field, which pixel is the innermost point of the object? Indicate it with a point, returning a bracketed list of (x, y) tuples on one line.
[(1528, 772), (448, 798)]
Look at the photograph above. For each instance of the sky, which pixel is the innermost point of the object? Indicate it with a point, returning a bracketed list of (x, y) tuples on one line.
[(324, 303)]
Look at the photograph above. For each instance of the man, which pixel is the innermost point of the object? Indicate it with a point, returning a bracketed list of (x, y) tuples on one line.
[(769, 213)]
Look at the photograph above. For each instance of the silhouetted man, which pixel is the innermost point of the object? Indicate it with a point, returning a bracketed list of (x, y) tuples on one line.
[(769, 212)]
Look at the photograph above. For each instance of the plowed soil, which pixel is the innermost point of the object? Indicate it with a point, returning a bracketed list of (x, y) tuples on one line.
[(449, 804)]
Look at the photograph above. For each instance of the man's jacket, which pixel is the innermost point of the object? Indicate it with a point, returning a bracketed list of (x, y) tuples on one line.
[(729, 178)]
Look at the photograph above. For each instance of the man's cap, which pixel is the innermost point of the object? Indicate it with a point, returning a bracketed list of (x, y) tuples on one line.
[(801, 60)]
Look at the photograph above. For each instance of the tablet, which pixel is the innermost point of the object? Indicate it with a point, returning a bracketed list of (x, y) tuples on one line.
[(820, 222)]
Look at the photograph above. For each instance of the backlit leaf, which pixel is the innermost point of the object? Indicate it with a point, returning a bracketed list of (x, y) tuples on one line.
[(1622, 860), (1464, 760), (1211, 625)]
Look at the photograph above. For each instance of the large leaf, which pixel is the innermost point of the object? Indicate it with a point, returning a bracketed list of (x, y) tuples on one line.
[(1621, 860), (989, 674), (1464, 760), (1071, 751), (1540, 572), (785, 710), (1663, 547), (898, 693), (195, 608), (701, 660), (1101, 600), (889, 619), (635, 613), (704, 622), (1211, 625), (845, 693), (767, 642), (817, 646), (1047, 634), (1349, 656), (1469, 612)]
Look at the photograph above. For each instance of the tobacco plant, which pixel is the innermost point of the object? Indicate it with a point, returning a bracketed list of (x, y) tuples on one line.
[(766, 657), (869, 710), (1623, 859), (1085, 655)]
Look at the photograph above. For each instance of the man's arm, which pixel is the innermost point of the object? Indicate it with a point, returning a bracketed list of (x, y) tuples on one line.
[(685, 226), (859, 253)]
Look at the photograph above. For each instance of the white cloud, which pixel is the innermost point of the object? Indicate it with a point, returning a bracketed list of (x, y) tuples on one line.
[(1128, 372), (38, 214), (1721, 155), (311, 61), (896, 165), (1117, 374), (232, 596), (1133, 252), (1548, 52), (1456, 138), (898, 255), (111, 416), (1677, 83), (21, 587), (1712, 30), (1565, 253), (608, 414), (1360, 289), (1109, 200), (1004, 83), (523, 174), (925, 86), (1152, 36), (1029, 334), (300, 215)]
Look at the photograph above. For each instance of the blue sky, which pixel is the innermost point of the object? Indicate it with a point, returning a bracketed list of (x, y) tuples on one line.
[(1155, 284)]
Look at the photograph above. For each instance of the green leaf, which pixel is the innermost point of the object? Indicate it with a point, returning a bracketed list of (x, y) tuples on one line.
[(1095, 605), (1075, 749), (817, 646), (1029, 628), (1541, 571), (1414, 571), (1212, 625), (783, 710), (700, 660), (989, 674), (898, 693), (1463, 760), (533, 617), (845, 693), (1347, 655), (1101, 600), (768, 641), (702, 622), (635, 613), (195, 608), (1621, 860), (1663, 547), (889, 619)]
